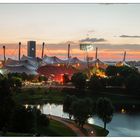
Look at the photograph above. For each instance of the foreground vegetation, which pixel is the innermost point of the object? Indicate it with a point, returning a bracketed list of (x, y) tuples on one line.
[(43, 95), (38, 96), (18, 120), (121, 87), (100, 132), (55, 128)]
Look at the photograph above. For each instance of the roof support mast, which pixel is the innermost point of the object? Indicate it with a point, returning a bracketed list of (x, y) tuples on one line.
[(68, 51), (96, 54), (19, 51), (4, 54), (124, 56), (43, 44)]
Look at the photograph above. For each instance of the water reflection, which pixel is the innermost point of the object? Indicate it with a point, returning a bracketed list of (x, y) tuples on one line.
[(122, 124), (53, 109)]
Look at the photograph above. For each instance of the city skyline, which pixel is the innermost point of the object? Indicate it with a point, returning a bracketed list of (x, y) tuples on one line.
[(113, 28)]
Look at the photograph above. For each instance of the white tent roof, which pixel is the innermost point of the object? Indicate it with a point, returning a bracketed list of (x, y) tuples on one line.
[(52, 60), (74, 60), (20, 69), (122, 63), (26, 66)]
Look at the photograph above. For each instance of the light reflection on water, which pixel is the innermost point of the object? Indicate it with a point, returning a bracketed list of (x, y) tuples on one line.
[(122, 124)]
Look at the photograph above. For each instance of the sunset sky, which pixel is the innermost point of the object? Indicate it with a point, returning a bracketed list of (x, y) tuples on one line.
[(113, 28)]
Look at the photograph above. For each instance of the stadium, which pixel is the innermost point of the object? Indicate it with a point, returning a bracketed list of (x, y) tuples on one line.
[(52, 67)]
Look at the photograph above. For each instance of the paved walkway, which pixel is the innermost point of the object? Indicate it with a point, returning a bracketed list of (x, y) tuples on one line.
[(71, 125)]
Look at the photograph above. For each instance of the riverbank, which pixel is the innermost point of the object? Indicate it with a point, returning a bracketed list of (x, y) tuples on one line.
[(38, 96), (44, 95), (62, 127), (89, 130)]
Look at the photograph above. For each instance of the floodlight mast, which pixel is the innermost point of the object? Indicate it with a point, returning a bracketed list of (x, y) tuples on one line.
[(87, 58), (87, 47)]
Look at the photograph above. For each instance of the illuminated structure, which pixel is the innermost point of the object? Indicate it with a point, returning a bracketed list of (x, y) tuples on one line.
[(31, 48), (53, 67), (123, 62)]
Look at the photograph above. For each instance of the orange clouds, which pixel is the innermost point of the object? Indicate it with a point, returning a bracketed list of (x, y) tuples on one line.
[(105, 52)]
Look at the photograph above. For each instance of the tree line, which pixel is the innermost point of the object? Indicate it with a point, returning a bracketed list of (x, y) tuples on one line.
[(124, 77), (15, 117), (82, 109)]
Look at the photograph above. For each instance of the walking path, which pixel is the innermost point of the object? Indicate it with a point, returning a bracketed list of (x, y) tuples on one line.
[(71, 125)]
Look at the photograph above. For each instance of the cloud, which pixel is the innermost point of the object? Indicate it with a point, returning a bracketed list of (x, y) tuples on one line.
[(92, 40), (90, 31), (106, 51), (130, 36)]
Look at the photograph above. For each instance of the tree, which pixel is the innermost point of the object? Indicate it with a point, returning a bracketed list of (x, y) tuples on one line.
[(104, 110), (116, 81), (111, 71), (27, 120), (82, 110), (16, 83), (68, 100), (42, 78), (66, 78), (24, 76), (132, 82), (79, 80), (7, 104), (125, 71), (95, 83), (22, 120)]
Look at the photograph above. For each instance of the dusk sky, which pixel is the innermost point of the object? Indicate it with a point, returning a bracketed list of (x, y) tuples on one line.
[(113, 28)]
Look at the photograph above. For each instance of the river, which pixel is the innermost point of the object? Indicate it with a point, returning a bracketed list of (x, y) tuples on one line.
[(122, 124)]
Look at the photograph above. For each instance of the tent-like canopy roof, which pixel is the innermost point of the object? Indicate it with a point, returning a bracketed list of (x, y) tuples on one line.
[(20, 69), (122, 63), (52, 60), (98, 63), (26, 66)]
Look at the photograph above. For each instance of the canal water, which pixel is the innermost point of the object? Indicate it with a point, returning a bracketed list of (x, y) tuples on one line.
[(122, 124)]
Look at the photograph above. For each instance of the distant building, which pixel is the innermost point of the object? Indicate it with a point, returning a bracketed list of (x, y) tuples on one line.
[(31, 48)]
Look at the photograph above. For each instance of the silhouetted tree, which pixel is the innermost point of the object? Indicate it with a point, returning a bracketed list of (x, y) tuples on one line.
[(68, 100), (104, 109), (82, 110), (7, 104), (23, 119), (42, 78), (125, 71), (116, 81), (16, 83), (95, 83), (111, 71), (132, 82), (66, 78), (79, 80), (28, 119)]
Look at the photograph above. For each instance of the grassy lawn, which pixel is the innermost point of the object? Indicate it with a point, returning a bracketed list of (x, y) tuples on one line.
[(13, 134), (38, 96), (56, 129), (100, 132)]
